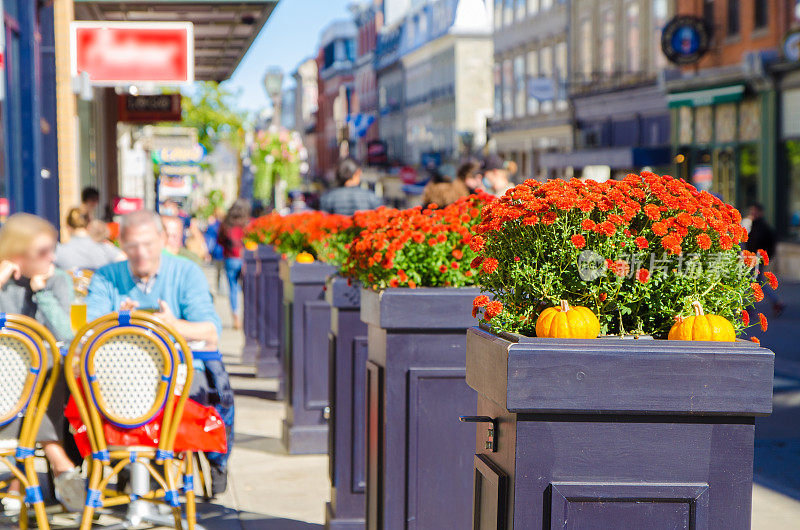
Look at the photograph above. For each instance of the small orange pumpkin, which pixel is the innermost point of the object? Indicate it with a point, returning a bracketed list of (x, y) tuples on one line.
[(702, 327), (304, 257), (565, 322), (250, 245)]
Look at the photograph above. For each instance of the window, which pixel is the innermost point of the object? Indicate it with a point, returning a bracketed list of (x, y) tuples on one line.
[(508, 87), (761, 14), (498, 14), (508, 12), (498, 91), (632, 45), (545, 4), (708, 12), (607, 42), (585, 57), (519, 86), (561, 76), (733, 17), (546, 71), (533, 74), (520, 10), (533, 7)]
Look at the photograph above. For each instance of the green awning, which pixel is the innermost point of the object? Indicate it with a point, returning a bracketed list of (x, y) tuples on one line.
[(711, 96)]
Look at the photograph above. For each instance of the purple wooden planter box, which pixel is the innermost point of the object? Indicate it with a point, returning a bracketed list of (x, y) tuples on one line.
[(419, 456), (250, 269), (307, 320), (269, 307), (613, 433), (347, 398)]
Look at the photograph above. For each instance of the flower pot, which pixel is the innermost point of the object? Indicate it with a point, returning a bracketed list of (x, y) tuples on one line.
[(612, 433), (269, 307), (304, 387), (347, 398), (419, 468), (250, 271)]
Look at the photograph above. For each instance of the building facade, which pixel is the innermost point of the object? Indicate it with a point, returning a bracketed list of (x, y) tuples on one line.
[(335, 66), (727, 133), (305, 108), (446, 53), (621, 121), (532, 115), (368, 17), (391, 93)]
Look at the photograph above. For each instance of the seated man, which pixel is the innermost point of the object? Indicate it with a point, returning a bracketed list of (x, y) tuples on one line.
[(175, 289)]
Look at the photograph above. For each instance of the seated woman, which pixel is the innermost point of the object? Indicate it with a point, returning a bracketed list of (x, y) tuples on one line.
[(81, 252), (31, 285)]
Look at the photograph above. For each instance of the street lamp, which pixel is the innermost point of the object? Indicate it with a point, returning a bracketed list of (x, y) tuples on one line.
[(273, 84)]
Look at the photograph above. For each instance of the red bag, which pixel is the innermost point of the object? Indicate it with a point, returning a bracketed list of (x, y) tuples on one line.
[(200, 429)]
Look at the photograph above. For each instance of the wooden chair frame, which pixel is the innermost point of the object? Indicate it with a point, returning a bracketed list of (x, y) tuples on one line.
[(33, 405), (93, 411)]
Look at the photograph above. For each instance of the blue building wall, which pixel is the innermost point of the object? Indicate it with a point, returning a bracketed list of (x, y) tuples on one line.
[(28, 109)]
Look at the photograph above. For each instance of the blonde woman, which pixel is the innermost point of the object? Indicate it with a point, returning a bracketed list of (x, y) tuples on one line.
[(31, 285)]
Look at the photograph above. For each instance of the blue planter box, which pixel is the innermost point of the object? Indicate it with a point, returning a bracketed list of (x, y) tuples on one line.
[(269, 307), (613, 433), (304, 387), (347, 396), (419, 456)]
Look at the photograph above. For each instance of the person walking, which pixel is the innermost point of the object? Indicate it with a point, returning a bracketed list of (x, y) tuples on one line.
[(31, 285), (495, 175), (349, 197), (231, 234), (81, 252), (761, 236), (441, 190)]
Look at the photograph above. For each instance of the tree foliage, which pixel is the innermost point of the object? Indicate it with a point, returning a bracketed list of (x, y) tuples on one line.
[(212, 110)]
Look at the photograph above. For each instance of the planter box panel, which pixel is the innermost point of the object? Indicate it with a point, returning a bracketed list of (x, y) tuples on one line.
[(433, 395), (425, 308), (358, 414), (375, 440), (615, 375), (305, 354), (491, 492), (606, 505), (632, 465), (269, 307)]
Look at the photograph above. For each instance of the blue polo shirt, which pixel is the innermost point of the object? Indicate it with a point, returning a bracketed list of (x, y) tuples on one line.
[(179, 282)]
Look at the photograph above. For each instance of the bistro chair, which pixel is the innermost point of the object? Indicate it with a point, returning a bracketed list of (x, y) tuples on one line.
[(130, 368), (27, 349)]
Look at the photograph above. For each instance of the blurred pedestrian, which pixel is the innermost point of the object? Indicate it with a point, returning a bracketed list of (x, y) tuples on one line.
[(101, 233), (31, 285), (442, 190), (214, 248), (349, 197), (90, 200), (176, 240), (469, 173), (81, 252), (761, 236), (495, 175), (231, 235)]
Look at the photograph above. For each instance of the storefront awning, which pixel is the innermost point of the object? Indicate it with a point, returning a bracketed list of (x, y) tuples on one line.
[(614, 157), (223, 29), (711, 96)]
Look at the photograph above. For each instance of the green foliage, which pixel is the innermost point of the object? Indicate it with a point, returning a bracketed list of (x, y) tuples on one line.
[(215, 200), (277, 156), (213, 112)]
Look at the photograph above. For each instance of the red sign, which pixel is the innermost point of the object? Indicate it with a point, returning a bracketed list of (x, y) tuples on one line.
[(4, 207), (149, 109), (123, 53), (125, 205)]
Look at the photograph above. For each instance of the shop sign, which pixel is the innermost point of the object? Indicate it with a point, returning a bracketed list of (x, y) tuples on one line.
[(149, 109), (685, 39), (177, 186), (377, 153), (126, 53), (791, 46), (5, 207), (542, 88), (126, 205), (179, 155)]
